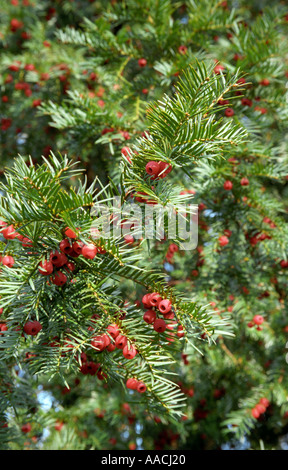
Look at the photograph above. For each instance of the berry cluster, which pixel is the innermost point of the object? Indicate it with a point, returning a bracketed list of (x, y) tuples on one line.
[(163, 307), (260, 408), (158, 169), (114, 339), (257, 321), (172, 249), (59, 259), (134, 384), (91, 368)]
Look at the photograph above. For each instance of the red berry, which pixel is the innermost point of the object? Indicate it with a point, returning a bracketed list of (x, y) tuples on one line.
[(36, 103), (9, 232), (3, 327), (113, 330), (255, 413), (142, 62), (89, 251), (100, 342), (154, 299), (182, 49), (244, 182), (153, 168), (228, 185), (132, 384), (120, 341), (258, 319), (70, 233), (227, 232), (111, 347), (218, 68), (141, 387), (261, 408), (229, 112), (59, 278), (26, 242), (8, 261), (15, 24), (169, 315), (159, 325), (90, 368), (129, 239), (165, 169), (45, 268), (129, 353), (180, 332), (58, 259), (223, 240), (26, 428), (164, 306), (58, 426), (32, 328), (264, 401), (149, 316), (246, 102), (173, 248), (146, 301), (65, 246)]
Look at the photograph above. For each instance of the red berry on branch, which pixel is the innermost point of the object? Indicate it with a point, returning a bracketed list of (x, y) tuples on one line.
[(223, 240), (165, 169), (154, 299), (255, 413), (46, 268), (258, 319), (244, 182), (129, 353), (8, 261), (32, 328), (56, 258), (59, 279), (182, 49), (89, 251), (265, 82), (141, 387), (152, 168), (218, 68), (159, 325), (69, 233), (229, 112), (146, 301), (164, 306), (113, 330), (149, 316), (15, 24), (9, 232), (246, 102), (120, 341), (100, 342), (26, 428), (228, 185), (65, 246), (261, 408), (142, 62), (132, 384), (264, 401)]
